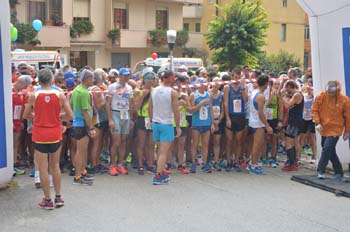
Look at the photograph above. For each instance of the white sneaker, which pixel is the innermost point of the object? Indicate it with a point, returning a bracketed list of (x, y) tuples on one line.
[(321, 176)]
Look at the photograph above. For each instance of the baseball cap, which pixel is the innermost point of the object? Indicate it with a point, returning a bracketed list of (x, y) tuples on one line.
[(68, 74), (124, 71), (70, 82), (113, 72), (22, 65), (149, 75)]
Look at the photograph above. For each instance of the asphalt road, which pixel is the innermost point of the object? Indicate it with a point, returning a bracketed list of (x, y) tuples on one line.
[(197, 202)]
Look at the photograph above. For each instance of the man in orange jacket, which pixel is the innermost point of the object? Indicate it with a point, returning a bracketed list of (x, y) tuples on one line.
[(331, 115)]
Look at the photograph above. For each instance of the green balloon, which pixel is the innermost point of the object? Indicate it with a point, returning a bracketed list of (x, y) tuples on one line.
[(11, 25), (14, 34)]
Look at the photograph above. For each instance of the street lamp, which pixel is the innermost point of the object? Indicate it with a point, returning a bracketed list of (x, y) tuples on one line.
[(171, 38)]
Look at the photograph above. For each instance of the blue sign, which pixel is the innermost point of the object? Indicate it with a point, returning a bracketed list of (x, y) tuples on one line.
[(346, 55), (3, 150)]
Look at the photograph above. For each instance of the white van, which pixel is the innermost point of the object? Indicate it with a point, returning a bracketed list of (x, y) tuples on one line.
[(191, 63), (38, 58)]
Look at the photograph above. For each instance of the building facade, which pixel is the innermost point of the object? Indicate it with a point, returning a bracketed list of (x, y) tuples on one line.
[(287, 24), (133, 18)]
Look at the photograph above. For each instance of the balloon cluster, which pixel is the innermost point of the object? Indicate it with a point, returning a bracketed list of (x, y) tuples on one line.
[(37, 25)]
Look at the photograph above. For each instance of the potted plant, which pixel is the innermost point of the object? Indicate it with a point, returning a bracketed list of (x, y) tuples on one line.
[(81, 27), (113, 35)]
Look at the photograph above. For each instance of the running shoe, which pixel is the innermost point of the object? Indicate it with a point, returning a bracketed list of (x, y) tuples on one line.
[(168, 171), (255, 170), (129, 158), (217, 167), (243, 164), (229, 168), (122, 170), (166, 176), (274, 163), (262, 163), (91, 170), (290, 168), (88, 177), (59, 202), (113, 171), (151, 169), (72, 171), (182, 170), (32, 172), (46, 204), (141, 171), (82, 181), (104, 157), (193, 168), (236, 167), (19, 171), (321, 176), (339, 177), (206, 168), (102, 168), (160, 180)]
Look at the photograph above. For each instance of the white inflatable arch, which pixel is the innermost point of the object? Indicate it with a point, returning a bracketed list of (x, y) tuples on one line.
[(330, 43), (6, 125)]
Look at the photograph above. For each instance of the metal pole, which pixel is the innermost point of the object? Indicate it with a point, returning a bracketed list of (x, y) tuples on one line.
[(171, 66)]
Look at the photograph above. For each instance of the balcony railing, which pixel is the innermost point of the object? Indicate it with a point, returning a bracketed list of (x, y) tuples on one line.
[(54, 36)]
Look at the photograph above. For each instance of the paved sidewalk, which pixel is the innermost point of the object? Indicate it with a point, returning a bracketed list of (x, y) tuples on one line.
[(201, 202)]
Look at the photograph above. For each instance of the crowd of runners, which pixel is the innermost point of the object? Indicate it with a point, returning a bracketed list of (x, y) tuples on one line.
[(111, 121)]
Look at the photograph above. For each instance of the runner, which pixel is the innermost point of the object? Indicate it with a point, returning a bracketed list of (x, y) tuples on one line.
[(99, 120), (46, 104), (83, 127), (274, 118), (19, 96), (199, 106), (235, 97), (163, 108), (295, 112), (258, 123), (145, 145), (118, 106), (216, 104)]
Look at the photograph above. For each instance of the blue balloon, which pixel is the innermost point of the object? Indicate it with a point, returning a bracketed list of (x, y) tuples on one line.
[(37, 24)]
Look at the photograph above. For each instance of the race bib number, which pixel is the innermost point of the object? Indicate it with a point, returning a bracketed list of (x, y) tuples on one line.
[(148, 123), (17, 112), (237, 106), (124, 114), (269, 113), (216, 111), (307, 114), (203, 113), (182, 118)]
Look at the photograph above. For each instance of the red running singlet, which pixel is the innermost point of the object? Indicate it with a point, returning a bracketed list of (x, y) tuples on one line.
[(47, 126)]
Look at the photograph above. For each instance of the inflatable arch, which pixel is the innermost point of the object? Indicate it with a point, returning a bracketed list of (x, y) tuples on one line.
[(330, 42)]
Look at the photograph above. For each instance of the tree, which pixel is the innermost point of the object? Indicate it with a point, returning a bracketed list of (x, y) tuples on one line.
[(281, 61), (238, 34)]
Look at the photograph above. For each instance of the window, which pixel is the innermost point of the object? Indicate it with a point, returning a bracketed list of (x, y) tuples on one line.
[(36, 10), (284, 3), (306, 59), (55, 10), (307, 32), (81, 10), (198, 27), (120, 15), (162, 18), (283, 32), (211, 1), (186, 27)]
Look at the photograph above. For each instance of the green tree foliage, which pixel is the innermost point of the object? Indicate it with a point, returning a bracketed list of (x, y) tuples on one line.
[(26, 34), (238, 34), (281, 61)]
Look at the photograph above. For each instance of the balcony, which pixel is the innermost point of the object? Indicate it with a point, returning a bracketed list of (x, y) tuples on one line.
[(194, 11), (182, 1), (53, 36), (195, 40), (132, 39)]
